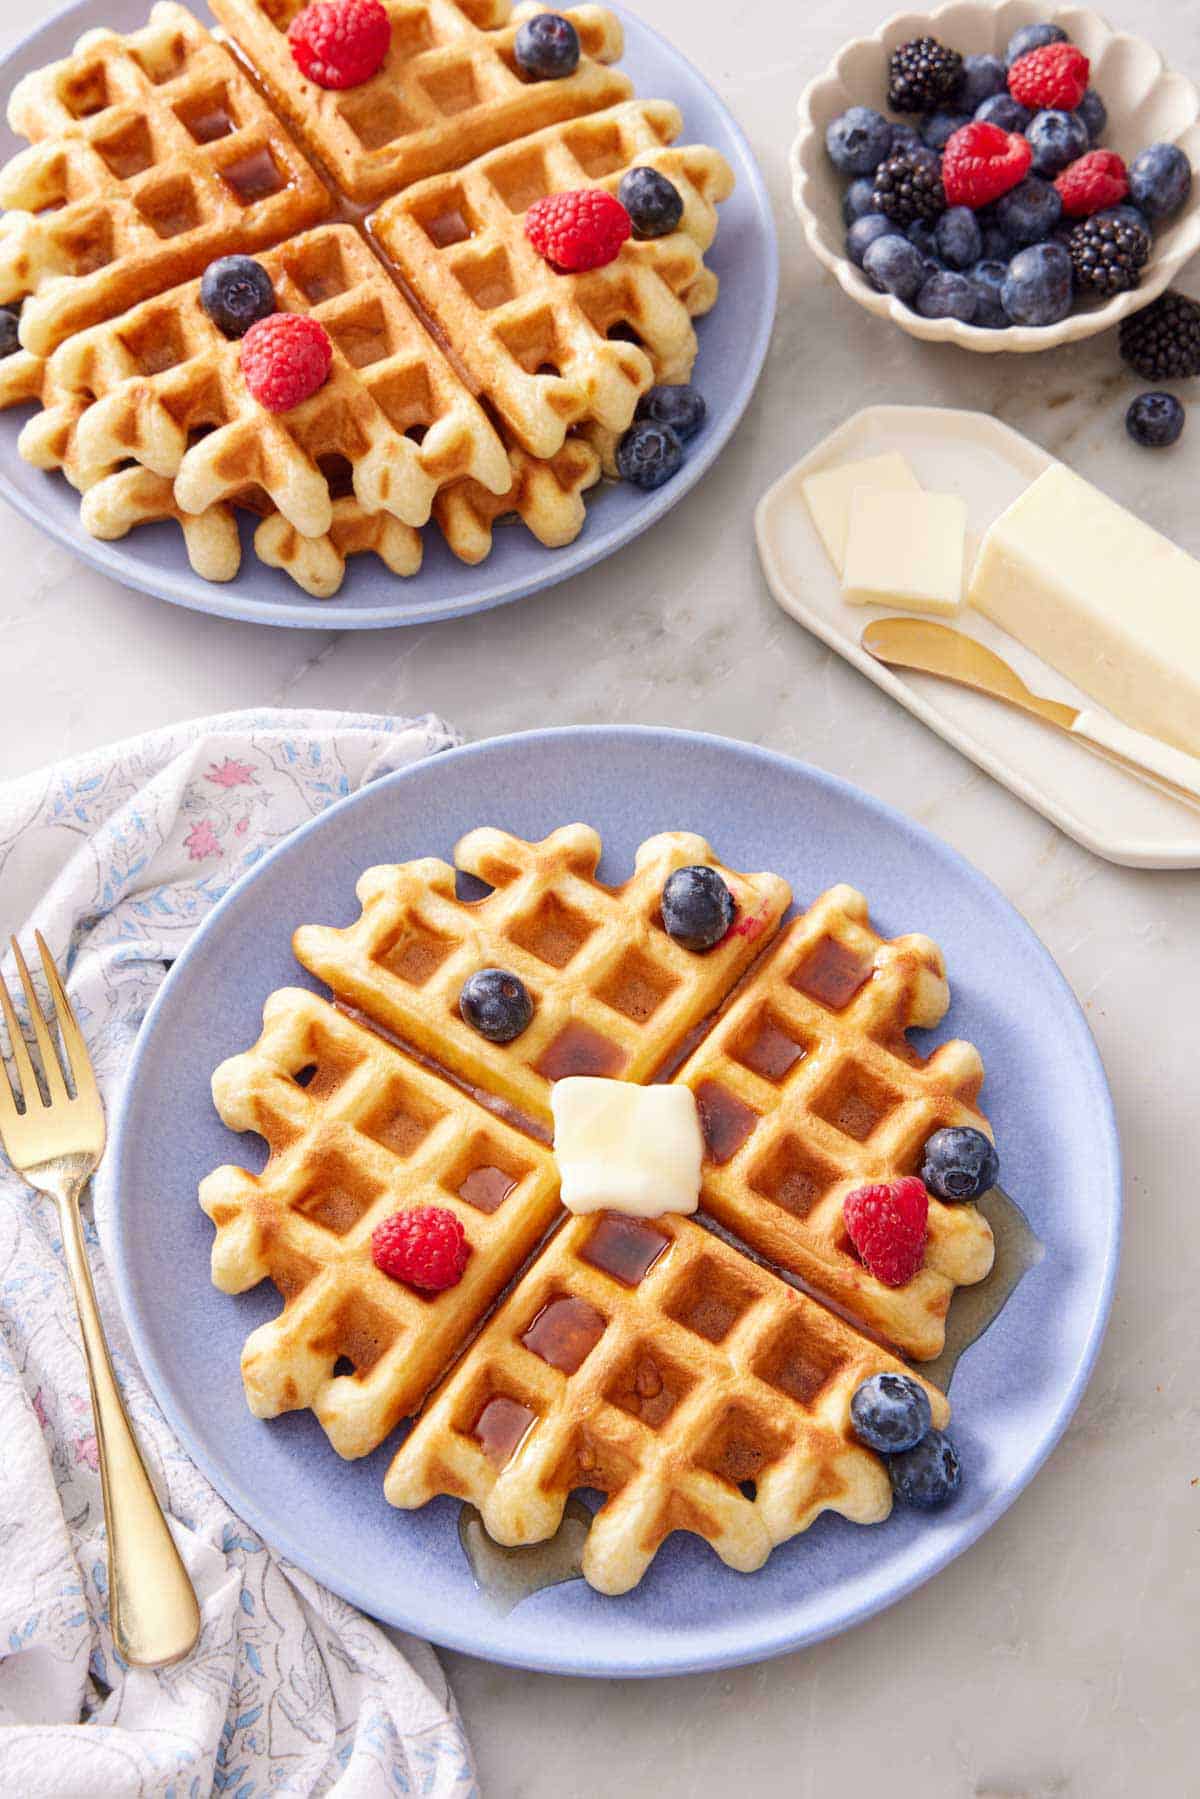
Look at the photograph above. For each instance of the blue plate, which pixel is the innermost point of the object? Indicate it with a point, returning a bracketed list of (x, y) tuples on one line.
[(1045, 1093), (733, 344)]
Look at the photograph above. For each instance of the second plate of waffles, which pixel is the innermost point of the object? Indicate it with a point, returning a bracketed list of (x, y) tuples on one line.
[(461, 450), (690, 1376)]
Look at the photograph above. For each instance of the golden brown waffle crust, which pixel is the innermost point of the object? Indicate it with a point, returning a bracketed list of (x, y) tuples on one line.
[(659, 1416)]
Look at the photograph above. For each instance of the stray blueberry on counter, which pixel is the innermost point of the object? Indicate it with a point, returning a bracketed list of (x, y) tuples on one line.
[(957, 238), (235, 292), (982, 77), (1029, 212), (547, 47), (928, 1475), (939, 127), (1155, 421), (10, 342), (858, 200), (682, 407), (1056, 138), (1032, 37), (895, 266), (1160, 180), (947, 295), (654, 204), (1039, 284), (496, 1004), (1004, 111), (648, 454), (959, 1163), (890, 1413), (697, 907), (858, 140), (1094, 113), (863, 233), (987, 277)]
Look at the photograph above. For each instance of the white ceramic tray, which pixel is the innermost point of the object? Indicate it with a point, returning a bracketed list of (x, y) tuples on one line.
[(1109, 812)]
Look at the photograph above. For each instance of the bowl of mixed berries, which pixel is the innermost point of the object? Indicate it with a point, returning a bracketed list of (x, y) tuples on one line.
[(1008, 177)]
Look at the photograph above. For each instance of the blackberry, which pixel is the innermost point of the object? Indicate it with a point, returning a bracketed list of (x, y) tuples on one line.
[(908, 186), (1163, 342), (922, 74), (1108, 255)]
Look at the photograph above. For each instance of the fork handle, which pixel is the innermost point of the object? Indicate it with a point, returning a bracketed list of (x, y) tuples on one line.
[(152, 1605)]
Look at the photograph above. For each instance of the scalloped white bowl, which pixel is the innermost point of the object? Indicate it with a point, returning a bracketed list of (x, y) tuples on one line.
[(1147, 103)]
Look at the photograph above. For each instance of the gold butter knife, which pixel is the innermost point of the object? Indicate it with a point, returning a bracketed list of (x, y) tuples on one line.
[(934, 649)]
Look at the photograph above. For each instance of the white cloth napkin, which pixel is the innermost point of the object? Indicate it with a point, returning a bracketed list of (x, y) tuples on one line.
[(117, 856)]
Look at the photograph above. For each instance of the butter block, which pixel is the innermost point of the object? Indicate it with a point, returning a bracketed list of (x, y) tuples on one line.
[(829, 492), (905, 549), (1102, 597), (626, 1148)]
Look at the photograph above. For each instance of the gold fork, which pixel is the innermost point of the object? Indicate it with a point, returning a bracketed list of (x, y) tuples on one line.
[(56, 1144)]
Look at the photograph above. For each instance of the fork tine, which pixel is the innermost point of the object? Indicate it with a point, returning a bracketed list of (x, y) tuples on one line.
[(78, 1060), (31, 1093), (56, 1087), (9, 1116)]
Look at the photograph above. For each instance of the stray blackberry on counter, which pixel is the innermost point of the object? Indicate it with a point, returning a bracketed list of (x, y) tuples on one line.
[(1155, 421), (1163, 342), (1108, 255), (921, 74), (908, 186)]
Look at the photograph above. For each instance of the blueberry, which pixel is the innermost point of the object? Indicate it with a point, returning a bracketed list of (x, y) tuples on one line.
[(937, 128), (946, 295), (957, 238), (1155, 420), (890, 1412), (654, 204), (648, 454), (1033, 37), (987, 277), (1004, 111), (496, 1004), (681, 407), (1094, 114), (236, 291), (997, 244), (1160, 180), (863, 233), (1030, 211), (858, 200), (903, 134), (9, 341), (547, 47), (1056, 138), (697, 907), (983, 76), (1037, 289), (959, 1163), (928, 1475), (920, 232), (1127, 215), (894, 266), (858, 140)]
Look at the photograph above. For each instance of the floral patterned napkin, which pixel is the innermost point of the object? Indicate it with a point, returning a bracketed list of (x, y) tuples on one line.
[(117, 856)]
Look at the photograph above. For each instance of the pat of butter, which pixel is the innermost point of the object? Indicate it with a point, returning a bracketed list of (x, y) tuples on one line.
[(905, 549), (829, 492), (626, 1149), (1103, 598)]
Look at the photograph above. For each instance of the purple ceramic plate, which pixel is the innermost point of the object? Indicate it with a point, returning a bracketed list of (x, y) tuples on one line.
[(1045, 1093), (733, 344)]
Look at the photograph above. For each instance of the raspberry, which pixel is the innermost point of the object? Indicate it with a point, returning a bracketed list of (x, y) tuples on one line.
[(981, 162), (1054, 76), (339, 43), (425, 1247), (579, 230), (285, 359), (1092, 182), (887, 1224)]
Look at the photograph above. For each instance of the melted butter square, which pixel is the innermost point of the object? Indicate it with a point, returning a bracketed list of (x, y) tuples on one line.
[(627, 1149)]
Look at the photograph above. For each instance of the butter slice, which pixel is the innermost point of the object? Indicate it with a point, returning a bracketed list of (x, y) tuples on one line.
[(1103, 598), (829, 492), (905, 549), (625, 1148)]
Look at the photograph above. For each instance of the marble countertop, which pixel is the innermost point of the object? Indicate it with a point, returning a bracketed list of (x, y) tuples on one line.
[(1058, 1656)]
